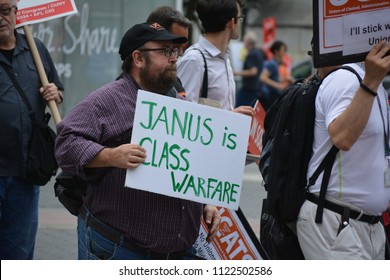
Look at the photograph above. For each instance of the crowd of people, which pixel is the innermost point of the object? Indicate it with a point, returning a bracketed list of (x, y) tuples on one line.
[(93, 139)]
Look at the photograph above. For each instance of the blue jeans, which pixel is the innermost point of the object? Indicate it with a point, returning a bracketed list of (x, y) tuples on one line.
[(94, 246), (18, 218)]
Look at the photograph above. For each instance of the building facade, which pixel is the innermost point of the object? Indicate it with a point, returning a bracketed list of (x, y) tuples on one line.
[(85, 46)]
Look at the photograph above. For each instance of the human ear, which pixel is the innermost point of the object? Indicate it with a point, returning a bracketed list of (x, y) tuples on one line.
[(137, 58), (230, 24)]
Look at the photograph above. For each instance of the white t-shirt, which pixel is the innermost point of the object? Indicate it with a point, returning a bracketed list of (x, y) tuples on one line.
[(358, 174), (221, 84)]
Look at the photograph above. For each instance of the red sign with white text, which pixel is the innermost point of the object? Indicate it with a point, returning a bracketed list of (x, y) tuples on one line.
[(255, 145), (35, 11), (269, 34)]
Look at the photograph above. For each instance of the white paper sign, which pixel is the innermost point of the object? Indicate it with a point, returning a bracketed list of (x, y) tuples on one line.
[(194, 152), (35, 11), (361, 33), (344, 31)]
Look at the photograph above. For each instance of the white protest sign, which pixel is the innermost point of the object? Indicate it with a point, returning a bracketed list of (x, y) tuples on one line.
[(362, 33), (194, 152), (335, 14), (345, 30), (35, 11)]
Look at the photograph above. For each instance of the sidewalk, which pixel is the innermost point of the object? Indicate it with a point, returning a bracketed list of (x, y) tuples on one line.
[(57, 235)]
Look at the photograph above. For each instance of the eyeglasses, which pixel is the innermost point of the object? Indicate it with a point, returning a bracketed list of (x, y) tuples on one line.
[(168, 52), (6, 11), (240, 18)]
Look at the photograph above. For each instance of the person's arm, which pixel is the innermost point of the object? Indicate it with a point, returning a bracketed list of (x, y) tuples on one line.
[(124, 156), (265, 79), (53, 90), (79, 148), (348, 126), (247, 73)]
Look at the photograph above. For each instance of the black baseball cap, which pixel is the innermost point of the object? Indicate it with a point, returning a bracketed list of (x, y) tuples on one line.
[(141, 33)]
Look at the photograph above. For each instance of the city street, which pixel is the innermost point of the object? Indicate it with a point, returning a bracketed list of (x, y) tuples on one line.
[(57, 238)]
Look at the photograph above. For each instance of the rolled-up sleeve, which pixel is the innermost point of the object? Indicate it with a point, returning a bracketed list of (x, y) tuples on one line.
[(78, 137)]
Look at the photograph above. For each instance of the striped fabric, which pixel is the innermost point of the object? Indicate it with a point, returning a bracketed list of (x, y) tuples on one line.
[(105, 119)]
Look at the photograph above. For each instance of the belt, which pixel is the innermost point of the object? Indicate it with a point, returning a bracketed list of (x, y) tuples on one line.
[(118, 238), (353, 214)]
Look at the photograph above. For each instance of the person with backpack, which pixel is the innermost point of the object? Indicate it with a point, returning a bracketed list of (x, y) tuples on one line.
[(352, 115), (93, 143)]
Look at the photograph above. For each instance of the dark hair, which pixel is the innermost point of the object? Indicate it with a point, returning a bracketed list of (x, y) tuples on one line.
[(166, 16), (127, 64), (277, 45), (214, 14)]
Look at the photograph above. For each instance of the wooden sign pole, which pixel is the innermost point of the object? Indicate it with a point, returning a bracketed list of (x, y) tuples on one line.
[(41, 72)]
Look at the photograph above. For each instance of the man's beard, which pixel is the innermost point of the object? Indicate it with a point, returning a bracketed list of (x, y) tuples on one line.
[(158, 83)]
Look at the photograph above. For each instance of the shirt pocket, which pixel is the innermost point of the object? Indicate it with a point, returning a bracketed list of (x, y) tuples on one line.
[(28, 73), (30, 63)]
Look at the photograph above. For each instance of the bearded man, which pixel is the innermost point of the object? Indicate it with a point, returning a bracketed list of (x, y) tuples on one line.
[(116, 222)]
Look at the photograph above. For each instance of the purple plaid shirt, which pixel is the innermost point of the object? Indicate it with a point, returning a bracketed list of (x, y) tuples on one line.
[(105, 119)]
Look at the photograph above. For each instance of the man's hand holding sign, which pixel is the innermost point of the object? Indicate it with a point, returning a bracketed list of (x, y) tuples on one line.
[(35, 11), (345, 31), (197, 153), (27, 148)]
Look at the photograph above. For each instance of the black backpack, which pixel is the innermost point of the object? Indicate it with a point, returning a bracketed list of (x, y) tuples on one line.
[(69, 190), (287, 150)]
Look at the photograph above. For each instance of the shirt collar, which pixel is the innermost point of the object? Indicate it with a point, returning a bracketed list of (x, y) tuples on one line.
[(21, 43), (131, 79), (211, 49)]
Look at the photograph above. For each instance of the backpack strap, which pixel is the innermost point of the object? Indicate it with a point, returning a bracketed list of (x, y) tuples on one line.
[(349, 68), (205, 83), (327, 163), (326, 166), (179, 87)]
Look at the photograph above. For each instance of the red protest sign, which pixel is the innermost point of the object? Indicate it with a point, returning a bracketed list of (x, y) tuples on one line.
[(269, 34), (255, 144), (35, 11)]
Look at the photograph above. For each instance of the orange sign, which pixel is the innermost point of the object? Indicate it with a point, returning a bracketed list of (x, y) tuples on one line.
[(232, 242)]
